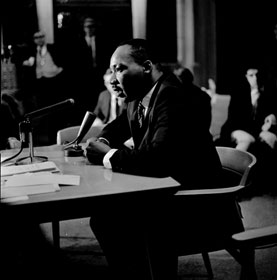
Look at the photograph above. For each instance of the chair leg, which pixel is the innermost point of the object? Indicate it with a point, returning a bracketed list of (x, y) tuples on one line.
[(56, 233), (207, 263), (248, 271), (245, 256)]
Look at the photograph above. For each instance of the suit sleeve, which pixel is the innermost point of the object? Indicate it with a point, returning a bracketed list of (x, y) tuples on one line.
[(154, 154)]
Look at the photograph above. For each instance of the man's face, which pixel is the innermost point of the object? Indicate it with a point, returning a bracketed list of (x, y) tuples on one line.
[(107, 82), (129, 77), (39, 39), (90, 28), (251, 76)]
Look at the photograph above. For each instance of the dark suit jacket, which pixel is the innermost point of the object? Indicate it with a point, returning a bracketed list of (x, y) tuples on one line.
[(103, 106), (88, 78), (170, 143)]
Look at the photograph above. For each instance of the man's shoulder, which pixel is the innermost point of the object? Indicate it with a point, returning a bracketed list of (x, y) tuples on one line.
[(170, 80)]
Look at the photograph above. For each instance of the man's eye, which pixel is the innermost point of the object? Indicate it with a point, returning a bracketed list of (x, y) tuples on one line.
[(119, 69)]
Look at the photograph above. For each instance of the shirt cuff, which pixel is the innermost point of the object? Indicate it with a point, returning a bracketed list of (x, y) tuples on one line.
[(103, 140), (106, 159)]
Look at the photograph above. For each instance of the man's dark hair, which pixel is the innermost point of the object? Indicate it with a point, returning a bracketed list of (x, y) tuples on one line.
[(141, 50)]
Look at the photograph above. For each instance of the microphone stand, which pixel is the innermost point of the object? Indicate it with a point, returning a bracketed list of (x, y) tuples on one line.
[(27, 132)]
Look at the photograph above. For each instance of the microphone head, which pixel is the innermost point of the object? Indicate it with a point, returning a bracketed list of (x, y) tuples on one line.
[(71, 100), (85, 126)]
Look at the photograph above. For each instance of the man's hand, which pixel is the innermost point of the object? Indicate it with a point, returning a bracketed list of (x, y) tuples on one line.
[(269, 122), (243, 139), (96, 150), (269, 138)]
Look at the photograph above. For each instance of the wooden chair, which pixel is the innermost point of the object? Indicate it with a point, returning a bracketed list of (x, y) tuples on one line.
[(234, 162)]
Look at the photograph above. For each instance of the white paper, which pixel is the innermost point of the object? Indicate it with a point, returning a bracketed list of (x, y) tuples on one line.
[(40, 178), (14, 198), (21, 191), (34, 167)]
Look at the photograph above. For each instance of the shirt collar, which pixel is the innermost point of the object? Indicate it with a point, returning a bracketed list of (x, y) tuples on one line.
[(43, 49)]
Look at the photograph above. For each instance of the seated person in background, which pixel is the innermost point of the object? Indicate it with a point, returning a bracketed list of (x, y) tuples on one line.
[(251, 124), (167, 142), (199, 98), (251, 116), (109, 105)]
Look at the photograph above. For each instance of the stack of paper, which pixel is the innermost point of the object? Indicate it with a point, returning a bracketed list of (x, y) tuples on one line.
[(34, 167), (18, 182)]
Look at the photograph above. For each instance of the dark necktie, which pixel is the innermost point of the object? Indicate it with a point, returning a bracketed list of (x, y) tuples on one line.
[(117, 107), (40, 51), (140, 113)]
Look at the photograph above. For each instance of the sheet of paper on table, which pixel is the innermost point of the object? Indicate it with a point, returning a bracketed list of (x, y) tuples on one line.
[(34, 167), (21, 185)]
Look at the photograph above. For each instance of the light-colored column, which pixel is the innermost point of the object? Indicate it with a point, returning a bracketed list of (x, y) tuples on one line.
[(45, 18), (139, 9), (185, 33)]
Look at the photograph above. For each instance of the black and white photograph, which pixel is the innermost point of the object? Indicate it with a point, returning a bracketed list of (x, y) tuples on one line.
[(138, 139)]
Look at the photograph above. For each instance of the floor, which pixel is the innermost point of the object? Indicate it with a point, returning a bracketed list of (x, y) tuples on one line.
[(83, 251)]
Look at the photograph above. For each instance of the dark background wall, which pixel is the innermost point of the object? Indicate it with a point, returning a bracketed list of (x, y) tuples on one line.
[(243, 29), (244, 36), (161, 28), (114, 18), (18, 21)]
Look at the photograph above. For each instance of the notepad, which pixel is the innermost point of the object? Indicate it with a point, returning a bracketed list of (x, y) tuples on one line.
[(34, 167)]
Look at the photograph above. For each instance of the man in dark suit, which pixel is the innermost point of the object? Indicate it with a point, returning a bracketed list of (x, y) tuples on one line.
[(91, 52), (252, 124), (161, 148)]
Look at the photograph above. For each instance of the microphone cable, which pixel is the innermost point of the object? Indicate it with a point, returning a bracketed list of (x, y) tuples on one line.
[(14, 156)]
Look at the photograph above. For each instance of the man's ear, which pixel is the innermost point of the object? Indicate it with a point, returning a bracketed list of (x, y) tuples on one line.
[(147, 66)]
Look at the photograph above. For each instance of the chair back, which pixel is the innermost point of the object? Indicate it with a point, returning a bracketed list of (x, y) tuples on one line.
[(237, 161), (205, 228), (68, 134)]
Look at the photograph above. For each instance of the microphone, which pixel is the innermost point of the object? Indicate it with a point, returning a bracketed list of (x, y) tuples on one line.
[(76, 150), (85, 126), (25, 129), (50, 109)]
